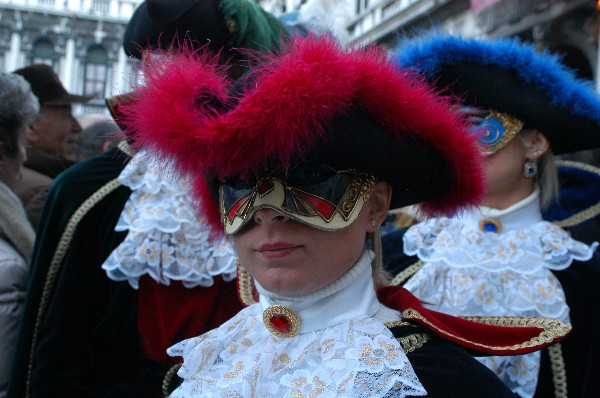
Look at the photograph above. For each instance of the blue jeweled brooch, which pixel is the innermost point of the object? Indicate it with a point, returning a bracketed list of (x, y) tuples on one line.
[(490, 224)]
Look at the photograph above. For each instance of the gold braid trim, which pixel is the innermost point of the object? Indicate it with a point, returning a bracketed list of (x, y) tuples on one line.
[(168, 379), (245, 285), (407, 273), (55, 264), (125, 148), (588, 213), (551, 329), (579, 165), (393, 324), (559, 373), (580, 217), (411, 342)]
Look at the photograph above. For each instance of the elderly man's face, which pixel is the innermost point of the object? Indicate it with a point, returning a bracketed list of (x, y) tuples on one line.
[(55, 131)]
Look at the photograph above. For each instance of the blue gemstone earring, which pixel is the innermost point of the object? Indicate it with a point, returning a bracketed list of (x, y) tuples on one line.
[(530, 169)]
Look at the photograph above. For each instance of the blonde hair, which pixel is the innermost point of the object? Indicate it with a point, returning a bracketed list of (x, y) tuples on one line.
[(380, 276), (547, 177)]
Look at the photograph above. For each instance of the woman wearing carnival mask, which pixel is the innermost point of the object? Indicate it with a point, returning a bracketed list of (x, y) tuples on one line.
[(297, 172), (502, 258)]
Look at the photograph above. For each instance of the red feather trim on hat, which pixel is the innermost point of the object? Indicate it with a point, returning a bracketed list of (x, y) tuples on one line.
[(294, 97)]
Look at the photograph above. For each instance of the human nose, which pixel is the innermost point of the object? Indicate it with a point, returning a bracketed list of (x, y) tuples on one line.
[(268, 216), (76, 126)]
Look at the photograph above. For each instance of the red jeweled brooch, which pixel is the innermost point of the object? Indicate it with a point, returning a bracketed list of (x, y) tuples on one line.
[(281, 321)]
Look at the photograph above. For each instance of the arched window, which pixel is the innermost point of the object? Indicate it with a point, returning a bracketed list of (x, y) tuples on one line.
[(43, 52), (95, 71)]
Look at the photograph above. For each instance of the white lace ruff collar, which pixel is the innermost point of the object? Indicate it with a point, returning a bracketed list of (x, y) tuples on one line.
[(165, 240), (525, 244), (471, 272), (350, 356)]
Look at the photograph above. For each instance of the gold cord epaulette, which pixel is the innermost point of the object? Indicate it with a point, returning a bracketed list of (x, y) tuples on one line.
[(55, 264), (166, 384), (406, 273)]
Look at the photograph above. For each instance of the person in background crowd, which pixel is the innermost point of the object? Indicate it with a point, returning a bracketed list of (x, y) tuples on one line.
[(51, 142), (293, 165), (502, 257), (94, 327), (98, 135), (18, 108)]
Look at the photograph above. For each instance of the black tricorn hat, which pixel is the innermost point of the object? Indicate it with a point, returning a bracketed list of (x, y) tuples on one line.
[(511, 77), (314, 102), (47, 87), (163, 23)]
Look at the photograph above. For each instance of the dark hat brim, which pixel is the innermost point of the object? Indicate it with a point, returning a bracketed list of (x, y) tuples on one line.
[(68, 99), (492, 87)]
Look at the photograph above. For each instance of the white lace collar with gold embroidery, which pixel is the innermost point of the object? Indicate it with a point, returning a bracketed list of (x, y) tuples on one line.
[(345, 353), (471, 272), (165, 240)]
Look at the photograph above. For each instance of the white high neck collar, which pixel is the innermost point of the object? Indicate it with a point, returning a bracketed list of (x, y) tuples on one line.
[(352, 296), (520, 215)]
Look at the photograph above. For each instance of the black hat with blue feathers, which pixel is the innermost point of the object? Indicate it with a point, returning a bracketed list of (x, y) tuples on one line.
[(510, 76)]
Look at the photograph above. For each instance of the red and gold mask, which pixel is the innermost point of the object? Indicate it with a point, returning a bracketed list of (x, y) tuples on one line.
[(315, 195)]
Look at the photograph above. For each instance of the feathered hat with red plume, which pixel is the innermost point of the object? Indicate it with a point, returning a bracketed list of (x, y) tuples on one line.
[(347, 109)]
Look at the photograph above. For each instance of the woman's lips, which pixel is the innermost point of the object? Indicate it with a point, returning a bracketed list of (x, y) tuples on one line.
[(277, 250)]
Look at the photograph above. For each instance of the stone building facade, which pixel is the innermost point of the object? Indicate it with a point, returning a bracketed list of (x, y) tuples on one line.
[(80, 39), (568, 27)]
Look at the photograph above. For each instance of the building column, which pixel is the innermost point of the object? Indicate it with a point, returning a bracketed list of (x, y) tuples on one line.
[(121, 77), (12, 61), (69, 74)]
